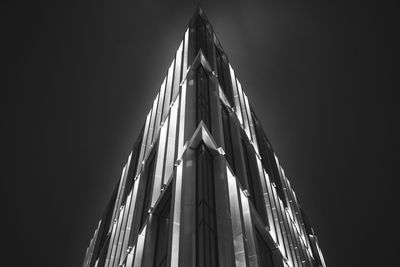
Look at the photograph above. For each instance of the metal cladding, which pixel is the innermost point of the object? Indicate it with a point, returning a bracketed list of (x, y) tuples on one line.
[(202, 185)]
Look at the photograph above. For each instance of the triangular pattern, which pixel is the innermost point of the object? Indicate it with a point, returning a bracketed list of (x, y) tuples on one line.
[(202, 185)]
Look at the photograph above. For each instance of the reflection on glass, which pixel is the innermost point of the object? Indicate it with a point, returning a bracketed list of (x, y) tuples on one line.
[(206, 225), (170, 155), (238, 242), (177, 72), (139, 248), (160, 162), (176, 217), (235, 95), (167, 97)]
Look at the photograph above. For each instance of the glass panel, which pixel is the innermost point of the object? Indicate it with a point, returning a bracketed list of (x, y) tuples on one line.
[(299, 219), (159, 108), (268, 160), (162, 232), (108, 218), (177, 72), (185, 52), (114, 243), (132, 201), (133, 164), (270, 207), (243, 109), (274, 200), (123, 230), (103, 252), (129, 260), (223, 75), (147, 191), (296, 246), (238, 240), (176, 217), (226, 125), (249, 185), (119, 194), (201, 35), (171, 142), (284, 244), (147, 136), (250, 117), (253, 181), (202, 98), (220, 69), (139, 248), (143, 146), (135, 210), (235, 95), (152, 120), (160, 162), (290, 237), (206, 226), (167, 97), (264, 252), (182, 112), (287, 235), (248, 226)]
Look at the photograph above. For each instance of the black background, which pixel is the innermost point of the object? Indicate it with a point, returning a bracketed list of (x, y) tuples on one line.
[(79, 78)]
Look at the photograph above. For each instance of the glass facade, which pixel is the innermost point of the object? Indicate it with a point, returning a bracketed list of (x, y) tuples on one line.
[(226, 125), (162, 233), (201, 35), (223, 75), (206, 227), (148, 185), (265, 258), (202, 185), (202, 97), (253, 181)]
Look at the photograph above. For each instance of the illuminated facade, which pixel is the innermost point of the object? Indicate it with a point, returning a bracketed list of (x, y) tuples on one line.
[(202, 185)]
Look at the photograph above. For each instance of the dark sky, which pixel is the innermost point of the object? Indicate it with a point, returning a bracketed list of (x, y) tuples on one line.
[(80, 77)]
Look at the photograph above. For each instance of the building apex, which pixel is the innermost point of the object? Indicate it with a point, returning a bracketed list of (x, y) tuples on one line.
[(199, 9), (198, 12)]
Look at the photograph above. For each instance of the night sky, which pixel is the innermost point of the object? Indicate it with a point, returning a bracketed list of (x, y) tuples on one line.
[(80, 77)]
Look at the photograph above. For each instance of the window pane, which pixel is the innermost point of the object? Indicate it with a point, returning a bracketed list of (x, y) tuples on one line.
[(263, 251), (228, 138), (147, 192), (202, 98), (206, 230), (201, 35), (161, 250)]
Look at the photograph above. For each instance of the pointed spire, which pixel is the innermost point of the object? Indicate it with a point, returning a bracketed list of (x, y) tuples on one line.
[(198, 12)]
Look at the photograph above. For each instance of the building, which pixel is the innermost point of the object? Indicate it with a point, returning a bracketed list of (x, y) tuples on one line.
[(202, 185)]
